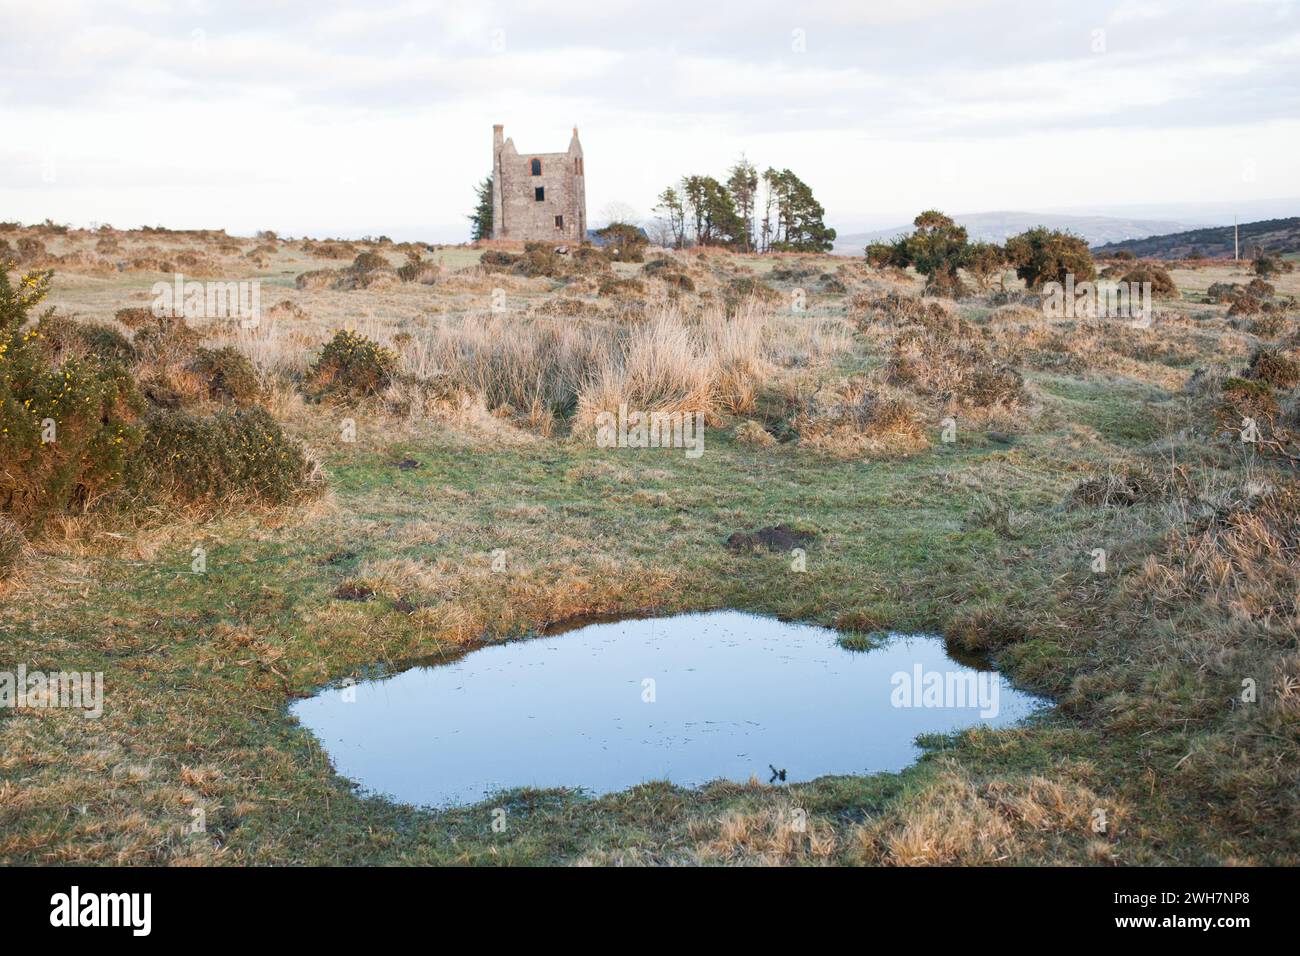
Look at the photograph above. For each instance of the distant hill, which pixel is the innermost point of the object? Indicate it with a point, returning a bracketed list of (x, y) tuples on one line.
[(1268, 235), (998, 226)]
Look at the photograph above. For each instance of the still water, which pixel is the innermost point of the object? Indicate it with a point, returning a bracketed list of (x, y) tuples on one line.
[(689, 698)]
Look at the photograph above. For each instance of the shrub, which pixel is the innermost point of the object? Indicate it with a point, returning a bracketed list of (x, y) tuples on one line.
[(107, 342), (612, 285), (746, 287), (1048, 255), (66, 430), (589, 260), (625, 242), (367, 269), (984, 260), (228, 375), (368, 262), (351, 365), (135, 318), (540, 259), (1162, 285), (1222, 292), (233, 455), (898, 308), (167, 341), (947, 285), (29, 249), (1268, 326), (64, 337), (1246, 304), (317, 279), (1260, 289), (936, 249), (1274, 368), (1248, 397), (1264, 265), (537, 259), (418, 269), (494, 260), (666, 270)]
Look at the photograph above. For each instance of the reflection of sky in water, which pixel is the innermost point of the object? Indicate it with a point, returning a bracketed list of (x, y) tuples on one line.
[(733, 694)]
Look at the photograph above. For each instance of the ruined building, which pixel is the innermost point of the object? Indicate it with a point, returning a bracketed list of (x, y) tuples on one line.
[(537, 195)]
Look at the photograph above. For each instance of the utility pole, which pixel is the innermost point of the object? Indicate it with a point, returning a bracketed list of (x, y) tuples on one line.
[(1236, 241)]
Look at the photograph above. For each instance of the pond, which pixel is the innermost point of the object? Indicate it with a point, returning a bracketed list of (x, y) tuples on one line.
[(688, 698)]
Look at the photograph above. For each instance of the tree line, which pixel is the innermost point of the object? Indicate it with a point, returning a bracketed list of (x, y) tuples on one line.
[(703, 211), (938, 248)]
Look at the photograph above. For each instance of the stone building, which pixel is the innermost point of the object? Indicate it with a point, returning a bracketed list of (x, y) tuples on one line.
[(537, 195)]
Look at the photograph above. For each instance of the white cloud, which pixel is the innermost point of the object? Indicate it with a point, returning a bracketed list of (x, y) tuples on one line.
[(376, 119)]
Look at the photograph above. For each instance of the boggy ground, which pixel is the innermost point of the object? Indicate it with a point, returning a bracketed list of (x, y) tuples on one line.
[(828, 420)]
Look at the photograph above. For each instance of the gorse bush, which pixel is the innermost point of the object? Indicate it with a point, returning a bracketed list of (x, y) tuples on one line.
[(418, 269), (63, 337), (234, 455), (539, 259), (1162, 284), (66, 427), (936, 249), (351, 366), (625, 242), (1048, 255), (1274, 368), (166, 341), (1268, 265), (227, 375)]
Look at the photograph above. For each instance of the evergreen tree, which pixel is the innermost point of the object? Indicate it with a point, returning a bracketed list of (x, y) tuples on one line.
[(742, 184), (799, 225), (481, 219)]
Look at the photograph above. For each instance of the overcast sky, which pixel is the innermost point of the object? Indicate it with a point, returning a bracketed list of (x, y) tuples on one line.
[(376, 117)]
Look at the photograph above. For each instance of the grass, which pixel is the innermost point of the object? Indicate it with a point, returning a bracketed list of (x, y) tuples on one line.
[(975, 538)]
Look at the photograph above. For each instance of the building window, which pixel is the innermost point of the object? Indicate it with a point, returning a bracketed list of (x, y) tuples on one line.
[(537, 167), (559, 222), (539, 193)]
